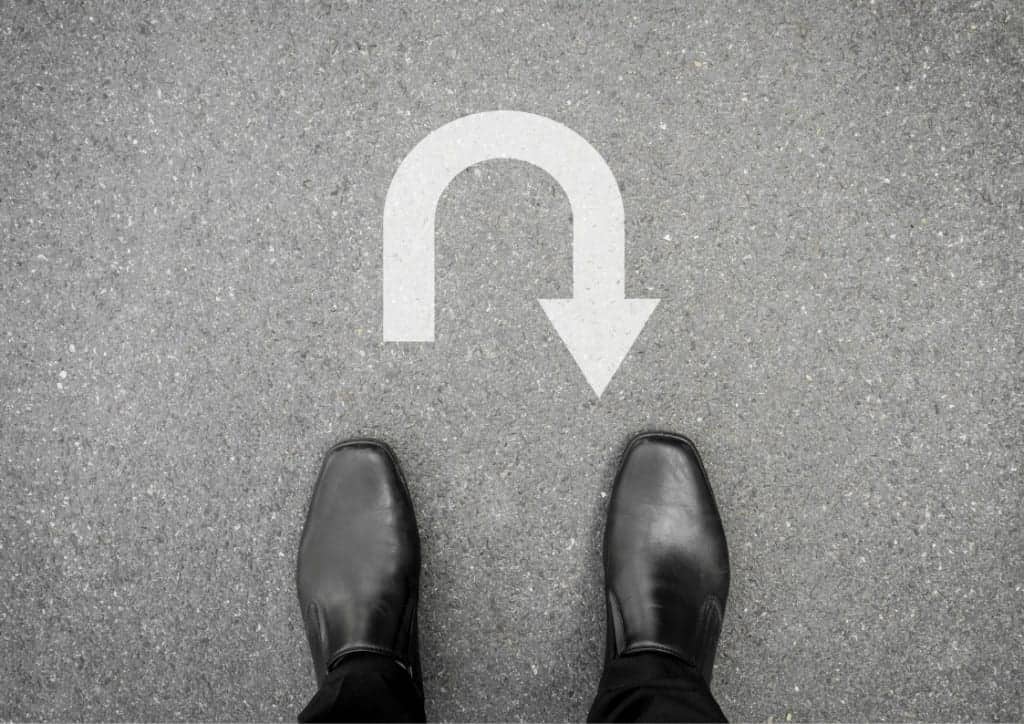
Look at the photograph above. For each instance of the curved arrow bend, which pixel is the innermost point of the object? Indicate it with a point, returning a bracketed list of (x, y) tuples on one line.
[(598, 324)]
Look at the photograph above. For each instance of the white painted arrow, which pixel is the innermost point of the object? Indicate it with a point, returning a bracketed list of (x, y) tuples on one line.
[(598, 324)]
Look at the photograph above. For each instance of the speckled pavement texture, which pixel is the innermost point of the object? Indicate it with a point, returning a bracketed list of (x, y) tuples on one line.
[(828, 200)]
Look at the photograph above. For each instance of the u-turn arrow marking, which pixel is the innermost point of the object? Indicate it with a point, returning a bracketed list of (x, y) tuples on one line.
[(598, 324)]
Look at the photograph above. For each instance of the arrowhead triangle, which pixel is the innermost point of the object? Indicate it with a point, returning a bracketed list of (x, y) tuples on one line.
[(598, 334)]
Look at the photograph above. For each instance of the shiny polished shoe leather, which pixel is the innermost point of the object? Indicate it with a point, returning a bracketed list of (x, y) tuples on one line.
[(665, 555), (359, 560)]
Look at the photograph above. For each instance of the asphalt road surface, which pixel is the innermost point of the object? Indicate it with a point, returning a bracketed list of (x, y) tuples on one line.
[(827, 198)]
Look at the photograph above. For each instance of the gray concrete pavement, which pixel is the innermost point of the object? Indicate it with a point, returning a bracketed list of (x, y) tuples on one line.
[(828, 201)]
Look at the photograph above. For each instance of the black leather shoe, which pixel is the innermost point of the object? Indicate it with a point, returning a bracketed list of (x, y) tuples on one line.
[(665, 558), (359, 560)]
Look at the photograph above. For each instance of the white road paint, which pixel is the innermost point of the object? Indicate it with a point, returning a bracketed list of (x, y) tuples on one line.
[(598, 324)]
